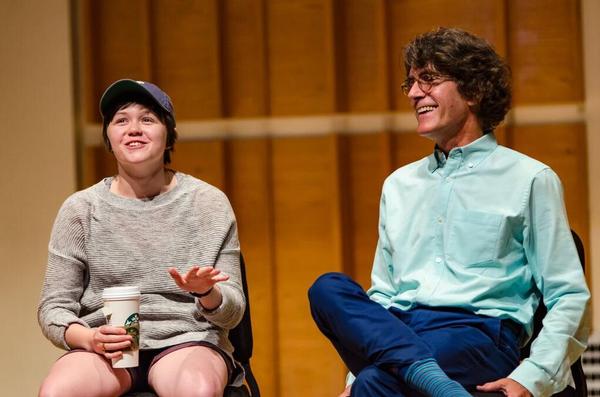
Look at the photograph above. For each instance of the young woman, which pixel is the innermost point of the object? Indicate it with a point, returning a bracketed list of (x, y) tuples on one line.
[(169, 233)]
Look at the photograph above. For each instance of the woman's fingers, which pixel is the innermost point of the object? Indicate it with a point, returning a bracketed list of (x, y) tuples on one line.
[(107, 330), (176, 277), (220, 277), (198, 278), (110, 341), (112, 347), (205, 271)]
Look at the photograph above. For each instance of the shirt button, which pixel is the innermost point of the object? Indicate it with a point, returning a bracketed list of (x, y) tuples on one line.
[(438, 260), (440, 219)]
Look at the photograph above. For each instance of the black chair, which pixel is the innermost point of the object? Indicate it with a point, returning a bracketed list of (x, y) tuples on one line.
[(580, 389), (242, 341)]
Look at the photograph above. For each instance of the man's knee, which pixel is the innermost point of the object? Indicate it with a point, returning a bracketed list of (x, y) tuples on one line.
[(326, 286)]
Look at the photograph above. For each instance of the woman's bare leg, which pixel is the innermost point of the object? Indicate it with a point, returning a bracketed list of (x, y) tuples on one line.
[(195, 371), (85, 373)]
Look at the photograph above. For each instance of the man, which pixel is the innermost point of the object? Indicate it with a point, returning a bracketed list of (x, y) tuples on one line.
[(470, 239)]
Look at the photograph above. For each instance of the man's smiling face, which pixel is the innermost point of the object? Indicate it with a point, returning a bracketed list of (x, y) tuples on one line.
[(442, 113)]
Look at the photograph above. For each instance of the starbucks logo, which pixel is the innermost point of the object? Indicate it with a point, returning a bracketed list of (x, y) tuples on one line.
[(132, 327)]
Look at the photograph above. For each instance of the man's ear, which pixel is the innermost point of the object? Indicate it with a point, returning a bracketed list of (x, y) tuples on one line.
[(474, 102)]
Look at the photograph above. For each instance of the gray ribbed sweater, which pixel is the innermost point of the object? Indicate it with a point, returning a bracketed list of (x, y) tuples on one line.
[(103, 240)]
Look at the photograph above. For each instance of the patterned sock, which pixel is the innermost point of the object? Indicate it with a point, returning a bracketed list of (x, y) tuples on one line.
[(427, 377)]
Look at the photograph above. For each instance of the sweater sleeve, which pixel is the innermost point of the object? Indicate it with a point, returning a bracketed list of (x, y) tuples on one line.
[(65, 276), (231, 310)]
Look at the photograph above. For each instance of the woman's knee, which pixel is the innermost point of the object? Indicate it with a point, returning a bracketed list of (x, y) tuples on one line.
[(198, 388), (76, 371), (51, 388), (196, 371), (54, 386)]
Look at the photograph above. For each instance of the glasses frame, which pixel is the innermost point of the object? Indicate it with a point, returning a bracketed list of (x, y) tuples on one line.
[(424, 85)]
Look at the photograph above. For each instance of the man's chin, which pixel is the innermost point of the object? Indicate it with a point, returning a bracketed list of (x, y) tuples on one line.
[(426, 133)]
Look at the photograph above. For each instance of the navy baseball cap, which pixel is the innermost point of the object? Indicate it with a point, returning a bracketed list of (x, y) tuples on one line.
[(125, 87)]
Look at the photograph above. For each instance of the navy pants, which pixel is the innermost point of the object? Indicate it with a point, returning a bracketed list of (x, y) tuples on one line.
[(378, 345)]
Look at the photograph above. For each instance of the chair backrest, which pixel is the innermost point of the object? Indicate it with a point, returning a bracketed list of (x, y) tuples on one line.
[(576, 368), (241, 337)]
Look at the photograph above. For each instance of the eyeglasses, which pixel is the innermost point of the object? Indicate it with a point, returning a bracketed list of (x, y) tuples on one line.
[(425, 80)]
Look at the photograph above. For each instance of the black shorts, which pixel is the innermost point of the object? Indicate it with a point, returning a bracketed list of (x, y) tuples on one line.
[(139, 374)]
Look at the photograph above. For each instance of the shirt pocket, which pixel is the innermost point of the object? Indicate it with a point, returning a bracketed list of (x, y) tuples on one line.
[(473, 237)]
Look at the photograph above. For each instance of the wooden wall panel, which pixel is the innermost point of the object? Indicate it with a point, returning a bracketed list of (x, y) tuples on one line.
[(409, 18), (501, 133), (85, 81), (564, 148), (249, 187), (244, 55), (409, 147), (204, 159), (367, 162), (120, 40), (362, 63), (99, 164), (186, 56), (545, 51), (365, 158), (301, 61), (307, 244)]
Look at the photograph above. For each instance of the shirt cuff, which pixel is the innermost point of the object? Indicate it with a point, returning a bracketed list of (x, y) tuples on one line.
[(350, 379), (535, 379)]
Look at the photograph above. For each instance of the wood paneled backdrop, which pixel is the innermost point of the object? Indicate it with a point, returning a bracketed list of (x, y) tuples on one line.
[(305, 187)]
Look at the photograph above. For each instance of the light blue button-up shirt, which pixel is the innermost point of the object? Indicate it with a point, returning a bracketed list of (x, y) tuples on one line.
[(485, 229)]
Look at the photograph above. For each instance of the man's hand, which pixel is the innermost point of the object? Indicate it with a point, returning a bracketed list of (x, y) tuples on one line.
[(509, 387), (346, 392)]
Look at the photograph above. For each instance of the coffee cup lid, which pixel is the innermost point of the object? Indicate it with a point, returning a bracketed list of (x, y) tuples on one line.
[(125, 292)]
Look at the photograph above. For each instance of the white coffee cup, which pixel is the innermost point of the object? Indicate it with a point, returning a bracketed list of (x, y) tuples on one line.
[(122, 308)]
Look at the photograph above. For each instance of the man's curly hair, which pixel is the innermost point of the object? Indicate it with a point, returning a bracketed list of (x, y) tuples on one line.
[(481, 75)]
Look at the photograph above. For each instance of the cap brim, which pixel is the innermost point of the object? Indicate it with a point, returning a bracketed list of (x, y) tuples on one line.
[(123, 88)]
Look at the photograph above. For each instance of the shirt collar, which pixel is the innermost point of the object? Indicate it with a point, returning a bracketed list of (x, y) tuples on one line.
[(472, 154)]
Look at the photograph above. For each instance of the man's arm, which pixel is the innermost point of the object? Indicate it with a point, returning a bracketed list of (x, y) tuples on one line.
[(554, 263), (382, 285)]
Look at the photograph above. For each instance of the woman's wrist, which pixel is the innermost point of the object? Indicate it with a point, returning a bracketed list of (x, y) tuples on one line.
[(212, 300), (202, 294), (79, 337)]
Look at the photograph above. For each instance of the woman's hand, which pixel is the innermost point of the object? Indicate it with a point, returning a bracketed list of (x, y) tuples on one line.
[(110, 341), (202, 280), (198, 279), (106, 340)]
